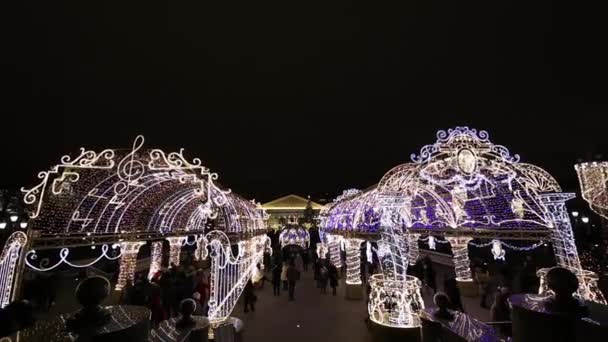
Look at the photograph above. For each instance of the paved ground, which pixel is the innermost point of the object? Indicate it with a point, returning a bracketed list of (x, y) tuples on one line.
[(315, 317)]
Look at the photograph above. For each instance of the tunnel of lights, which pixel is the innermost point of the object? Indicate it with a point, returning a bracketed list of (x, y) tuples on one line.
[(120, 200), (460, 188)]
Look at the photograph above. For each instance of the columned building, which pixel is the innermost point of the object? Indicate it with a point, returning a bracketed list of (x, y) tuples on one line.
[(289, 210)]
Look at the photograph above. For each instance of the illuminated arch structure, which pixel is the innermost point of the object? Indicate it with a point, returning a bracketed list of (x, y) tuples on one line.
[(461, 187), (126, 198), (294, 236)]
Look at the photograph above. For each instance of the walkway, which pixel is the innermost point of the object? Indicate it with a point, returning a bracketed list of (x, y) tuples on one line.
[(315, 317)]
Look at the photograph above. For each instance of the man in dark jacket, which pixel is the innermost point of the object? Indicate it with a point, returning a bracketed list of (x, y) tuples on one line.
[(293, 275), (276, 279)]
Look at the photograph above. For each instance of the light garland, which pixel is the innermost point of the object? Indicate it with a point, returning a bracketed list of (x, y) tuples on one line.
[(353, 261), (156, 256), (31, 256), (128, 262), (8, 263)]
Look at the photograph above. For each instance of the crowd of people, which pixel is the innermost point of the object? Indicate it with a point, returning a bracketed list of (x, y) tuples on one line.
[(167, 289)]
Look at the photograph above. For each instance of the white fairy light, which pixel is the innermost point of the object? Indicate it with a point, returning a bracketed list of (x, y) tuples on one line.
[(23, 225), (2, 225), (585, 219), (13, 218), (31, 256), (575, 214)]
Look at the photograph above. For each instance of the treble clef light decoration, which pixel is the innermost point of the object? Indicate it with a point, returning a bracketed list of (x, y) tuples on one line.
[(129, 168)]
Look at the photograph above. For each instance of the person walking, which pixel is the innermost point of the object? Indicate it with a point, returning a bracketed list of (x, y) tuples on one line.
[(323, 278), (250, 297), (429, 274), (276, 279), (306, 259), (483, 282), (333, 278), (284, 276), (451, 289), (293, 275)]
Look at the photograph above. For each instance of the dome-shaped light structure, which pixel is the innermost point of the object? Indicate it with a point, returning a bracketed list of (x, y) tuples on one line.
[(294, 236), (127, 197), (461, 187)]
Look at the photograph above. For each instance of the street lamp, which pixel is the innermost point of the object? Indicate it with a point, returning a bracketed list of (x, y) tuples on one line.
[(575, 214), (585, 219)]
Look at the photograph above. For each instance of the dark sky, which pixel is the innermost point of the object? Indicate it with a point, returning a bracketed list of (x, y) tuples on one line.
[(300, 96)]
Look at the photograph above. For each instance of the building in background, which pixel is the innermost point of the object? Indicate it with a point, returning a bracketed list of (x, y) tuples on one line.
[(289, 209)]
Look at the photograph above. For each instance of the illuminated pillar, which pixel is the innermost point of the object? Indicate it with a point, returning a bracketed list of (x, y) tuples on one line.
[(156, 258), (175, 249), (128, 261), (201, 249), (414, 251), (564, 248), (462, 264), (353, 261), (334, 250), (354, 290), (9, 270)]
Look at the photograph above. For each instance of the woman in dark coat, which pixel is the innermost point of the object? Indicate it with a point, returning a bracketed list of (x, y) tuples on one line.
[(333, 278)]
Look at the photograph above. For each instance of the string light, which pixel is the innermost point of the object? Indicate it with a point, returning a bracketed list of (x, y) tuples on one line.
[(31, 256)]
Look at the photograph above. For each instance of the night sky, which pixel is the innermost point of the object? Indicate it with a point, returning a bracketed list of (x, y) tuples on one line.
[(300, 96)]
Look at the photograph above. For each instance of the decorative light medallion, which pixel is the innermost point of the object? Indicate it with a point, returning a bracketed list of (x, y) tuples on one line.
[(467, 162)]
